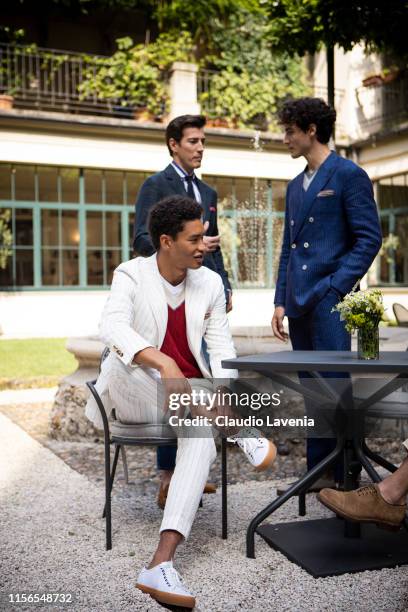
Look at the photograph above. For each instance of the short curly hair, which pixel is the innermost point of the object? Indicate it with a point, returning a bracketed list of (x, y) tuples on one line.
[(169, 216), (305, 111)]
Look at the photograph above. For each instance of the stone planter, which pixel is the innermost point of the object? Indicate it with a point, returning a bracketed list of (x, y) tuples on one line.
[(249, 340), (68, 421)]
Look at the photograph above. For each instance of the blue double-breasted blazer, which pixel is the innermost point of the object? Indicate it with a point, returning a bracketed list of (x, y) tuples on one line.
[(331, 236), (167, 183)]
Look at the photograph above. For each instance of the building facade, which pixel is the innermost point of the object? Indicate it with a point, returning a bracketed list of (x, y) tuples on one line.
[(70, 173)]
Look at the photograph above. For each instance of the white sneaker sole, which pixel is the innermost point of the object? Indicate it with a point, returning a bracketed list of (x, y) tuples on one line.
[(167, 598), (269, 459)]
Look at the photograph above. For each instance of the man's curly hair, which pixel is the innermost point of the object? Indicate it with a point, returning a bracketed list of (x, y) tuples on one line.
[(305, 111), (169, 216)]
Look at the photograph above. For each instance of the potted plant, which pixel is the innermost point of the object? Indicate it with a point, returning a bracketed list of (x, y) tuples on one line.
[(6, 238), (372, 80), (10, 79), (390, 74), (135, 77), (363, 311), (6, 102)]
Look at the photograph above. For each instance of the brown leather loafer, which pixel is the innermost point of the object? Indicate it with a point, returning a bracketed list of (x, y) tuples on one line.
[(364, 505), (164, 489)]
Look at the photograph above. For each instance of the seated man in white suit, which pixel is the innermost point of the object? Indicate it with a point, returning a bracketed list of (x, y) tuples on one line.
[(158, 311)]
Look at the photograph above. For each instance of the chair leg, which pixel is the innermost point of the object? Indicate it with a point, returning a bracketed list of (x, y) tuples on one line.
[(378, 459), (224, 507), (107, 508), (125, 465), (302, 503), (110, 479)]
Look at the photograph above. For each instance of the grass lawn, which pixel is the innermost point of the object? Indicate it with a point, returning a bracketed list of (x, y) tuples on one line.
[(33, 358)]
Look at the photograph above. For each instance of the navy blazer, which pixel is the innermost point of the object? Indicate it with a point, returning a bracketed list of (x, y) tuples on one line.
[(161, 185), (332, 234)]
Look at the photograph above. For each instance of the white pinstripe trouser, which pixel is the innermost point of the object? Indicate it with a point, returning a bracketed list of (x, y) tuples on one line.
[(134, 392)]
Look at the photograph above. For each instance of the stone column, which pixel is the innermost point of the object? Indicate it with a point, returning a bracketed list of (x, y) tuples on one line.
[(183, 90)]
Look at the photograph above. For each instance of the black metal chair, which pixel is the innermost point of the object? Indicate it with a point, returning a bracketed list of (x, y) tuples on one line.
[(401, 314), (144, 434), (393, 406)]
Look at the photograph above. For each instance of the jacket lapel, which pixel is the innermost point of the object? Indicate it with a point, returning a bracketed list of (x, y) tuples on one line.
[(174, 181), (155, 296), (195, 307), (308, 198), (205, 198), (296, 202)]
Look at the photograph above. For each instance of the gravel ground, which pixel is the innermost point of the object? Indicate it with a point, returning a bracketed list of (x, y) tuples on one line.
[(53, 541), (87, 458)]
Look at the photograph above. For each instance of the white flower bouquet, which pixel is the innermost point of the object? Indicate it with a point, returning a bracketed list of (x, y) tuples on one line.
[(363, 311)]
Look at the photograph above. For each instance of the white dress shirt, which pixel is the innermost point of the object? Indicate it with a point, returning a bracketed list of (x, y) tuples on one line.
[(182, 174)]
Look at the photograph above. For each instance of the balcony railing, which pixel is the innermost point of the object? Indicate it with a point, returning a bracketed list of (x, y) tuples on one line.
[(384, 105), (204, 80), (50, 80)]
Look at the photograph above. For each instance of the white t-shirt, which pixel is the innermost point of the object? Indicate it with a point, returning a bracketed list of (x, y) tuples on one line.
[(175, 294)]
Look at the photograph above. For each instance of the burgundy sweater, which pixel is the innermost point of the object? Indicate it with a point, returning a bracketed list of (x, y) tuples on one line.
[(175, 343)]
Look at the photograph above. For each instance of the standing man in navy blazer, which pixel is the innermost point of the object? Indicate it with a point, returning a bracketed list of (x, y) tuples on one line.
[(185, 141), (332, 234)]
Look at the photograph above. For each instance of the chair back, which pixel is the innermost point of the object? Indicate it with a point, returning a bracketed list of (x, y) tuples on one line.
[(104, 355), (401, 314), (144, 434)]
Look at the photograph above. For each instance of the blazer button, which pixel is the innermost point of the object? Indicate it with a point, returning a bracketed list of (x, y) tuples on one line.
[(293, 246), (311, 219), (292, 222), (304, 267), (306, 245), (118, 351)]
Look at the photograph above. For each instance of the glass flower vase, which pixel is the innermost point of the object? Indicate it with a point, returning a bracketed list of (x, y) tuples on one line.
[(368, 343)]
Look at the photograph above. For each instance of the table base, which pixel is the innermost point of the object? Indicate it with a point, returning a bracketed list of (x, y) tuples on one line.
[(319, 546)]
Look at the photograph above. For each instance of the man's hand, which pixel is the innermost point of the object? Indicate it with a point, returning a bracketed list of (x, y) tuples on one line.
[(211, 243), (172, 377), (277, 324), (175, 383)]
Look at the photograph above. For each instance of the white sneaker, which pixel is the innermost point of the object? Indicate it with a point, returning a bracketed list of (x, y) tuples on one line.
[(164, 584), (260, 451)]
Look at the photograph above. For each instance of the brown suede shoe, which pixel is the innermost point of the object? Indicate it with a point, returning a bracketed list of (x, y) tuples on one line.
[(364, 505), (164, 489)]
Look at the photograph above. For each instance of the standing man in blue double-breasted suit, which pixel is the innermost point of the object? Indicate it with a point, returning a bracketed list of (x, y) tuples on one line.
[(332, 234), (185, 140)]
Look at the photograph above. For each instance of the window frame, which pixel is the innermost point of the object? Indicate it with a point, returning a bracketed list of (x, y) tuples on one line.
[(81, 207)]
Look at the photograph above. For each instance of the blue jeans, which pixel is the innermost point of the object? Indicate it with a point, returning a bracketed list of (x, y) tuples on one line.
[(320, 330), (166, 457)]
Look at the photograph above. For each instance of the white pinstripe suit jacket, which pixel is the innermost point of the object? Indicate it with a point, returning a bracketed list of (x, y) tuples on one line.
[(135, 317)]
